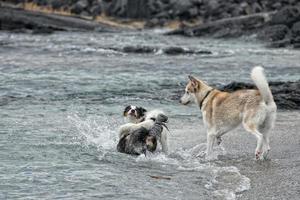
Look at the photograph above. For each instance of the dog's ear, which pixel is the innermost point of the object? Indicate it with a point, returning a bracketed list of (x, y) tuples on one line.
[(143, 111), (127, 108), (194, 81)]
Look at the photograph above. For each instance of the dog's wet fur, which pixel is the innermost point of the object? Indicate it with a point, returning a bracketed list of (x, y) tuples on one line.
[(142, 140), (139, 117), (137, 142)]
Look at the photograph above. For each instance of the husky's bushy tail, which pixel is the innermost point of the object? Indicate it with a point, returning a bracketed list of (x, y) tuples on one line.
[(261, 83)]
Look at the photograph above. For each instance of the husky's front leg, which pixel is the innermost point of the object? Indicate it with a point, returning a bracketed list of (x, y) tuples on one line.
[(211, 136)]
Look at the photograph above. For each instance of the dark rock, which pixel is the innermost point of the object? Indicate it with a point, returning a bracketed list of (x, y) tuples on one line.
[(79, 7), (56, 4), (41, 2), (96, 10), (180, 50), (296, 29), (286, 94), (296, 45), (274, 32), (256, 8), (17, 19), (287, 16), (280, 43), (117, 8), (136, 9), (173, 50), (166, 50), (185, 9), (138, 49), (296, 39), (234, 26)]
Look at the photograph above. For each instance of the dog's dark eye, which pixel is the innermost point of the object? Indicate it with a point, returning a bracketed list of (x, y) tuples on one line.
[(187, 92)]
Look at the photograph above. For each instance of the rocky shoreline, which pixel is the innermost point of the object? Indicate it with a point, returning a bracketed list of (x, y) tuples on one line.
[(277, 23), (19, 20), (286, 94)]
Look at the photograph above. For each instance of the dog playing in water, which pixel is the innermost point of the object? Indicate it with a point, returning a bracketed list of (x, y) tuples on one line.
[(142, 140), (134, 114), (139, 117), (223, 111)]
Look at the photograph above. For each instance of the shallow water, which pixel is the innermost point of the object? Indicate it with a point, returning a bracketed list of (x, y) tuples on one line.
[(61, 102)]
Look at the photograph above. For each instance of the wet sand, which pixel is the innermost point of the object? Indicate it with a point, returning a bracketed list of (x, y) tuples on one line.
[(277, 178)]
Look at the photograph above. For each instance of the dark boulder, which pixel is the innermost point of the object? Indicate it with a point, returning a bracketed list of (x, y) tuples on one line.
[(184, 9), (38, 22), (280, 43), (274, 32), (96, 10), (136, 9), (57, 4), (41, 2), (138, 49), (229, 27), (286, 94), (180, 50), (79, 7), (296, 35), (174, 50), (287, 16), (296, 29)]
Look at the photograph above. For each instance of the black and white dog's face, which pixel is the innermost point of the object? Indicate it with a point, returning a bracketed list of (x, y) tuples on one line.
[(134, 114)]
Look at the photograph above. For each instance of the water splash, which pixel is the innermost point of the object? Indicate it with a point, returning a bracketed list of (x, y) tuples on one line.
[(98, 132)]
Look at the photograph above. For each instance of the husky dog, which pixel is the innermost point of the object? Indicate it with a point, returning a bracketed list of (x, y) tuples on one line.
[(223, 111), (142, 140), (143, 118)]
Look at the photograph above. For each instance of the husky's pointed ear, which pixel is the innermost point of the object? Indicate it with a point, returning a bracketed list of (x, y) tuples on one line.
[(194, 81), (191, 77)]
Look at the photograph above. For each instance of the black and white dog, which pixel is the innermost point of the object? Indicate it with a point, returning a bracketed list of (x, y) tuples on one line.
[(142, 140), (139, 117), (134, 114)]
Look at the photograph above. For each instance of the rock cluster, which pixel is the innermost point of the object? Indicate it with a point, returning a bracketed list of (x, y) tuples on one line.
[(284, 28), (19, 20), (206, 10), (171, 50), (277, 22), (286, 94)]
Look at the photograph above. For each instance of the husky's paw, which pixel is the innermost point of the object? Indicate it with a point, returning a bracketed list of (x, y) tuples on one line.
[(258, 155)]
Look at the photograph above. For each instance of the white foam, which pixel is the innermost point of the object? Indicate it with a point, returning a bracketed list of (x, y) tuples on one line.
[(95, 132), (225, 182), (222, 183), (158, 157), (224, 194)]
